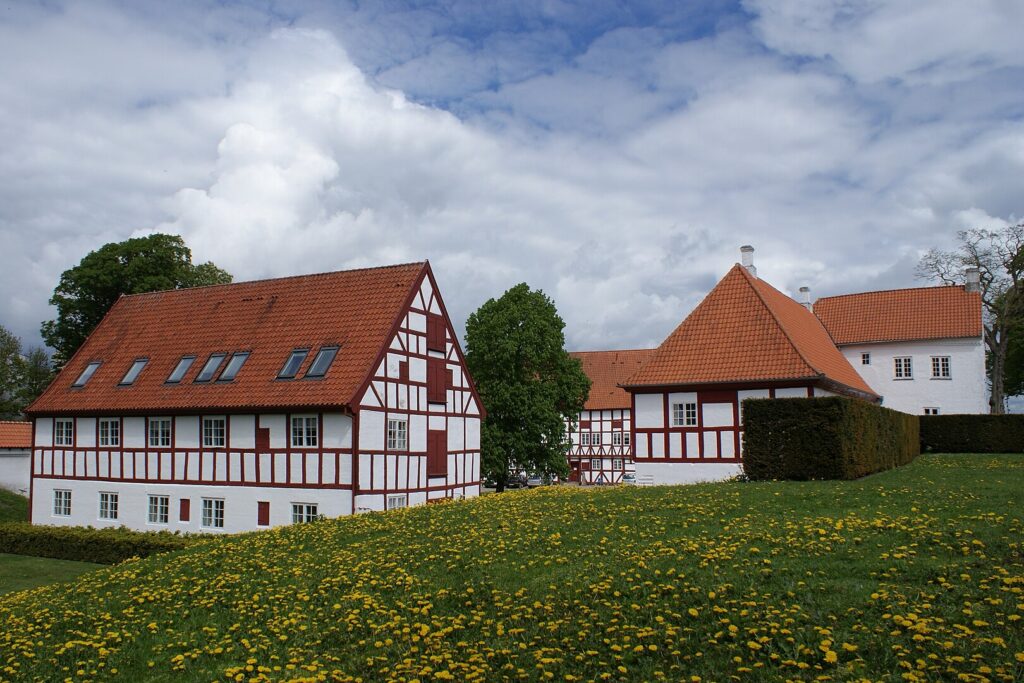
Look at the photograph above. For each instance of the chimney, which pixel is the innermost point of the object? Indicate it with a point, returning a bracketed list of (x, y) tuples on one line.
[(973, 283), (805, 298), (747, 259)]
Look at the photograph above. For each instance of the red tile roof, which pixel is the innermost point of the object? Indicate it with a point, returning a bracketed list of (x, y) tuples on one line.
[(355, 309), (745, 330), (607, 370), (901, 315), (15, 434)]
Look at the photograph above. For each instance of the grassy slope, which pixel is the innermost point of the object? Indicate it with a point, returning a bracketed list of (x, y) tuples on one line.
[(916, 571), (13, 508), (18, 572)]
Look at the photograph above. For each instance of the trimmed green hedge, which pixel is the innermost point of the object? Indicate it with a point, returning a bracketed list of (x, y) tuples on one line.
[(86, 544), (824, 438), (972, 433)]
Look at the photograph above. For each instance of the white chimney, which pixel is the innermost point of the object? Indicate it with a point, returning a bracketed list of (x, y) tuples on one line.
[(973, 280), (747, 259), (805, 298)]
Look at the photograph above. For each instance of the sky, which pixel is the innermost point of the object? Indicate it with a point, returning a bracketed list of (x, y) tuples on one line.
[(613, 154)]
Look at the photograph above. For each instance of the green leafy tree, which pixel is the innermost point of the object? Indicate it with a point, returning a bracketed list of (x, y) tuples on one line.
[(36, 375), (999, 257), (142, 264), (530, 386), (10, 374)]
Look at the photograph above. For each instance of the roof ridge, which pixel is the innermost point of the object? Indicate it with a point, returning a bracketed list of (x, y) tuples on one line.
[(15, 422), (614, 351), (782, 328), (278, 279), (894, 289)]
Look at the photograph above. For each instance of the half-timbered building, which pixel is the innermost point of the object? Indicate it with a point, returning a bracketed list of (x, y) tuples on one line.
[(745, 340), (601, 449), (255, 404), (15, 447)]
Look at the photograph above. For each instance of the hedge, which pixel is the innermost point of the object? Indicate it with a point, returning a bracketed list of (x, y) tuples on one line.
[(824, 438), (972, 433), (86, 544)]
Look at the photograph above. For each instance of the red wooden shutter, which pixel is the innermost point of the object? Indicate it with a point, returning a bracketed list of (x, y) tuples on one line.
[(435, 332), (403, 371), (437, 453), (184, 509), (436, 380), (263, 513), (262, 439)]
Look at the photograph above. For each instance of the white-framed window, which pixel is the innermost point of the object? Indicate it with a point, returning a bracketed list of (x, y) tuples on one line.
[(617, 463), (625, 438), (684, 414), (110, 431), (940, 367), (304, 431), (159, 509), (213, 513), (62, 503), (303, 512), (595, 438), (159, 432), (214, 432), (398, 435), (595, 463), (397, 501), (865, 359), (616, 438), (584, 438), (64, 431), (902, 367), (108, 506), (931, 411)]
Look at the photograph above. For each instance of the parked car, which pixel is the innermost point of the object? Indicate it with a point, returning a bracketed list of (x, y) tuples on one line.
[(629, 479), (516, 481)]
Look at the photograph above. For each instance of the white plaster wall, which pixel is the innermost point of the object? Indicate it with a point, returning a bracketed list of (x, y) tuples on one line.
[(15, 466), (240, 504), (965, 392), (684, 472), (717, 414), (650, 410), (337, 430), (243, 431)]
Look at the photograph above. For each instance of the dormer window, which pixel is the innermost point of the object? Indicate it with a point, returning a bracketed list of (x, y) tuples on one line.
[(233, 366), (292, 365), (133, 372), (180, 369), (209, 370), (87, 374), (322, 362)]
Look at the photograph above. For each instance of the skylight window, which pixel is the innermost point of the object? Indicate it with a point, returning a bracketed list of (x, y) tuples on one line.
[(87, 374), (209, 370), (324, 358), (180, 369), (133, 371), (233, 366), (292, 365)]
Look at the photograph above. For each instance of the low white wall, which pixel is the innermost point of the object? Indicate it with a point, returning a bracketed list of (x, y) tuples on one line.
[(240, 504), (15, 468), (684, 472)]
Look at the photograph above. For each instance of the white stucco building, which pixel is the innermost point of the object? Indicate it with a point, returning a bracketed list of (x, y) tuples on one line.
[(15, 448), (920, 349), (244, 406)]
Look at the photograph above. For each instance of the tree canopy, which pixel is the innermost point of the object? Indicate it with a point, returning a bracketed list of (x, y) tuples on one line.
[(999, 257), (530, 386), (22, 376), (142, 264)]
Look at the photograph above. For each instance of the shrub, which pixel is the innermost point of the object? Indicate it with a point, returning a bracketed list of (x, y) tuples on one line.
[(972, 433), (86, 544), (824, 438)]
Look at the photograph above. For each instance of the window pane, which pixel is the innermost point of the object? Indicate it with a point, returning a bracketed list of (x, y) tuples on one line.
[(181, 368), (210, 369), (133, 371), (233, 366), (294, 362), (322, 362), (86, 375)]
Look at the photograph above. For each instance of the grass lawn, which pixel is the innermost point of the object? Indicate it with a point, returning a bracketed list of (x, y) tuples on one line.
[(19, 572), (915, 574), (13, 508)]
